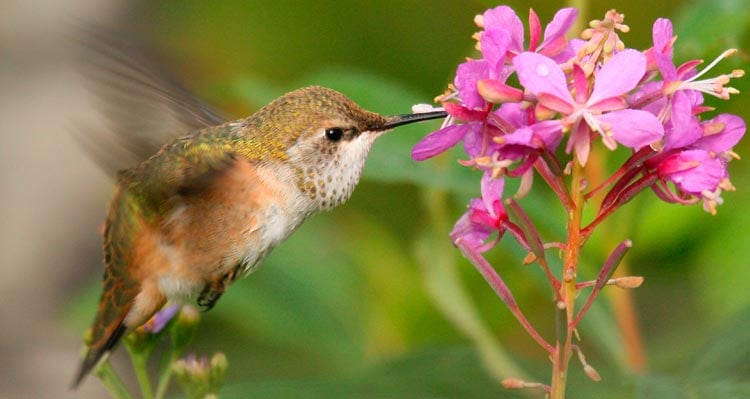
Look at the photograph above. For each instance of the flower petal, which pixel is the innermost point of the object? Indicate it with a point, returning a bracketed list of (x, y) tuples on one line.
[(438, 141), (503, 17), (492, 191), (467, 75), (633, 128), (618, 76), (550, 131), (693, 171), (734, 129), (554, 34), (468, 232), (539, 74), (683, 129), (494, 44)]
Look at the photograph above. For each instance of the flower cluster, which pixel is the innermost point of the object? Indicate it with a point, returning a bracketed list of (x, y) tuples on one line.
[(580, 92)]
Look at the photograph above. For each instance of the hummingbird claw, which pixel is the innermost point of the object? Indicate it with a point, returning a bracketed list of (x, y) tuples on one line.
[(214, 290)]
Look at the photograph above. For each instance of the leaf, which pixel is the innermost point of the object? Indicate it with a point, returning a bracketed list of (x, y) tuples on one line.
[(710, 26), (434, 373), (726, 355)]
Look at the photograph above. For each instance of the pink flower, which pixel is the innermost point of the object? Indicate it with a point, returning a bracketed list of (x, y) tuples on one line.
[(439, 141), (554, 42), (604, 111), (699, 168), (484, 217)]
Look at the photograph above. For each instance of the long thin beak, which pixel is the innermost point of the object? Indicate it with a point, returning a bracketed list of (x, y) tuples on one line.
[(398, 120)]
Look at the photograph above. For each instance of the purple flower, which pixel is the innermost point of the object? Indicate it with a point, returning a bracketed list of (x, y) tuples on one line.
[(603, 111), (467, 76), (484, 217), (439, 141), (554, 42), (699, 167), (160, 320)]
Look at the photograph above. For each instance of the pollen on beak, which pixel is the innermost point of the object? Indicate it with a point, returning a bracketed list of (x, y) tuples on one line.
[(398, 120)]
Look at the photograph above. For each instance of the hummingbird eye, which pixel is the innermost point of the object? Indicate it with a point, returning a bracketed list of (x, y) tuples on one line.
[(334, 133)]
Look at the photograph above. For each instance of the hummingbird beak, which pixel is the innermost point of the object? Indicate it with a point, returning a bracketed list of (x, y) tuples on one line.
[(398, 120)]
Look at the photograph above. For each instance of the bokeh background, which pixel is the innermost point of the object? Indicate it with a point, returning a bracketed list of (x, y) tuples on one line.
[(370, 300)]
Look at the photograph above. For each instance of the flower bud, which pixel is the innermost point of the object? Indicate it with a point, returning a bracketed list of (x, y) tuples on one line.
[(513, 383), (219, 366), (200, 378), (629, 281), (185, 327), (592, 373), (193, 376)]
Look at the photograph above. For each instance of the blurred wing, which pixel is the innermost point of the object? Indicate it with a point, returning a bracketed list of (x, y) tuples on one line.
[(142, 104)]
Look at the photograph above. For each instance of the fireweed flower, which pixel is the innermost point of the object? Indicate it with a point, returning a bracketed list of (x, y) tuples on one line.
[(585, 89), (600, 90), (603, 111), (484, 217), (552, 45)]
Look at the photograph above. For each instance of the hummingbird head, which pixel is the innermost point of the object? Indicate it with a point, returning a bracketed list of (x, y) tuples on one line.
[(325, 138)]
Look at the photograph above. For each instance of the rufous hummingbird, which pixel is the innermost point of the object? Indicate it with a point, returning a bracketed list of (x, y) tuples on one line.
[(208, 207)]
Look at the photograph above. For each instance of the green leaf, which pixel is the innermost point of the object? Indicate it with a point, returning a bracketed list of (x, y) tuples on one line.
[(435, 373), (710, 26), (726, 355)]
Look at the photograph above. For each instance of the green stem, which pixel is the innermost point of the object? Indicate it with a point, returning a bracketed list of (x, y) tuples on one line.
[(140, 368), (165, 374), (568, 291), (111, 381)]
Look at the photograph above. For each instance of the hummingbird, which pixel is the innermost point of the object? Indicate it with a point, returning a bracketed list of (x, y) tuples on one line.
[(209, 206)]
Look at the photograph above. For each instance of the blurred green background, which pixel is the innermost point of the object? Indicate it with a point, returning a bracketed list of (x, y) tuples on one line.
[(370, 300)]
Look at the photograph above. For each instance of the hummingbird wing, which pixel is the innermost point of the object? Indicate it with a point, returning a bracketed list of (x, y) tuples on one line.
[(143, 198), (124, 224), (143, 105)]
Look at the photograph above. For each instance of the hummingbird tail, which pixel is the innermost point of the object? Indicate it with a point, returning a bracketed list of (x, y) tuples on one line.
[(95, 353)]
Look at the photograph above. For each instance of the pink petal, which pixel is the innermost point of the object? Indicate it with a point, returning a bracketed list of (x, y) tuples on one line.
[(513, 114), (503, 17), (580, 142), (522, 136), (662, 36), (473, 140), (684, 128), (438, 141), (469, 233), (494, 45), (554, 35), (550, 132), (462, 113), (580, 84), (733, 130), (492, 191), (497, 92), (618, 76), (700, 172), (535, 30), (633, 128), (467, 75), (539, 74)]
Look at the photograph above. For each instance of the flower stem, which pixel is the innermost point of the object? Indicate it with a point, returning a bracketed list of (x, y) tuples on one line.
[(568, 290), (165, 373), (112, 382), (140, 368)]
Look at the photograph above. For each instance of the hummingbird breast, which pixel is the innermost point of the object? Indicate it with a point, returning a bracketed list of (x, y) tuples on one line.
[(235, 222)]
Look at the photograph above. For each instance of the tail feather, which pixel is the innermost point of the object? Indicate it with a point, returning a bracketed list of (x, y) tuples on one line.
[(95, 353)]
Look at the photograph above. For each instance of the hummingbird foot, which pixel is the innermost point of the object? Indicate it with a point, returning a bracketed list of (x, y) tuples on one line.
[(214, 290)]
